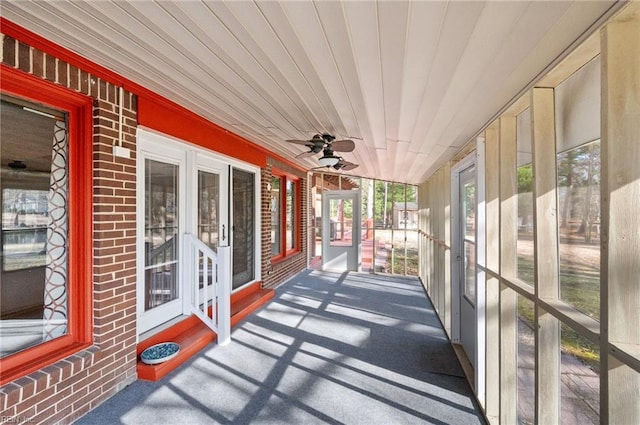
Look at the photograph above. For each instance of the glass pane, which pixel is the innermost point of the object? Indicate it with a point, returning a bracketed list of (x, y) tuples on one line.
[(341, 221), (208, 208), (161, 230), (276, 205), (243, 194), (469, 209), (470, 271), (580, 389), (161, 285), (161, 219), (468, 205), (33, 233), (526, 362), (524, 244), (290, 218), (579, 227)]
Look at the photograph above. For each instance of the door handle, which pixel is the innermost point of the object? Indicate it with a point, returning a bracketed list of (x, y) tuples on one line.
[(223, 235)]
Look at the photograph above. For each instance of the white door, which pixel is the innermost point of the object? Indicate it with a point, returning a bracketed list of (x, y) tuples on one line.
[(466, 260), (209, 202), (161, 224), (181, 191), (341, 230)]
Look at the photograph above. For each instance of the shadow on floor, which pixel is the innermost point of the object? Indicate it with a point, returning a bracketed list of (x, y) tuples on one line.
[(330, 348)]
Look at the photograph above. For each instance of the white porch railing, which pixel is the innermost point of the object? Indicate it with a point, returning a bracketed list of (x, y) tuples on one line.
[(211, 288)]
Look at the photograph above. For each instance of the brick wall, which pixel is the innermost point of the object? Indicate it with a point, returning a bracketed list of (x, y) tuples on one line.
[(274, 274), (65, 390)]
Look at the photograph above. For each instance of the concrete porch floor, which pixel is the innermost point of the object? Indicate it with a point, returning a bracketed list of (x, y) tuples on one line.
[(339, 348)]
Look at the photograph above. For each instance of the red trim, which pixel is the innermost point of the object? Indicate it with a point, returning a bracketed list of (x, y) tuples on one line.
[(79, 292), (176, 121), (155, 111)]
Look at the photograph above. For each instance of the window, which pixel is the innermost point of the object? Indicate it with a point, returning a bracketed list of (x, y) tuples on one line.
[(285, 195), (44, 188)]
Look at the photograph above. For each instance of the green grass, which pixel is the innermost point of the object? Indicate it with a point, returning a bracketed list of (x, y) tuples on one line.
[(580, 287), (398, 262)]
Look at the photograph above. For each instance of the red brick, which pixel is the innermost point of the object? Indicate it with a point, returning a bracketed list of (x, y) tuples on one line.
[(9, 51), (62, 73), (24, 57), (37, 62)]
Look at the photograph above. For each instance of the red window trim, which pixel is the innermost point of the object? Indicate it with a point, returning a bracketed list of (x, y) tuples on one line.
[(284, 252), (79, 109)]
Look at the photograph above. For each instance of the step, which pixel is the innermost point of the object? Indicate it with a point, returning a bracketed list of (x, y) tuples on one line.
[(192, 335), (250, 303)]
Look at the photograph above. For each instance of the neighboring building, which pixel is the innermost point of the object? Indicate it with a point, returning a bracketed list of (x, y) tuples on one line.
[(405, 215)]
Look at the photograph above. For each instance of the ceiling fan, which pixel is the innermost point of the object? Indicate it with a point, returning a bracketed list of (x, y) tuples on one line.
[(320, 142), (327, 144)]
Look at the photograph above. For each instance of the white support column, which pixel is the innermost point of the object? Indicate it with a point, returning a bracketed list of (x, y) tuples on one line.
[(508, 267), (224, 295), (620, 291), (546, 254), (492, 201)]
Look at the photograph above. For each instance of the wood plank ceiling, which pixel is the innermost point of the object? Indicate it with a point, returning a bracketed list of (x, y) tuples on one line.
[(410, 82)]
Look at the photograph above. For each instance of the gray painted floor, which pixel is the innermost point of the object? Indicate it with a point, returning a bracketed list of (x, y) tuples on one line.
[(330, 348)]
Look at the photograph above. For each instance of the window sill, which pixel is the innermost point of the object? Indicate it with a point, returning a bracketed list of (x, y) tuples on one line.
[(282, 258), (76, 353)]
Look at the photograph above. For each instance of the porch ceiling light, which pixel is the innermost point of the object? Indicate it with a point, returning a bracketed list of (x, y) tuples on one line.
[(328, 159)]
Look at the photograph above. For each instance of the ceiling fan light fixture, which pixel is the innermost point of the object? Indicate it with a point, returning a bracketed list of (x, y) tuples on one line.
[(328, 159)]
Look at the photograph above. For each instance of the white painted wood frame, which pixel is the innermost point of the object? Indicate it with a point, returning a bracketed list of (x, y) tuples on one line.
[(508, 267), (620, 271), (547, 327)]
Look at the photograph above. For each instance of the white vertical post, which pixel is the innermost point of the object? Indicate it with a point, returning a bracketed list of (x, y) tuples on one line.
[(224, 295)]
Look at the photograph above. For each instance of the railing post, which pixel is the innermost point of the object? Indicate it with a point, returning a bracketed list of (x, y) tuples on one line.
[(224, 295)]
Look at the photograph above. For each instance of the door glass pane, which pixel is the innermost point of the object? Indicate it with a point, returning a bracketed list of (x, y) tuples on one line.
[(208, 214), (340, 221), (469, 210), (161, 230), (468, 204), (243, 227), (208, 208), (470, 271)]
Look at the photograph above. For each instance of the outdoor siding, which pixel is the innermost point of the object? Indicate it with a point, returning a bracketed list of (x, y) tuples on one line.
[(65, 390)]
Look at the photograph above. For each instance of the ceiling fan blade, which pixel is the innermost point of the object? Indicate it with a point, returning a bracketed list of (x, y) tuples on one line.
[(349, 166), (343, 145), (300, 142), (305, 154)]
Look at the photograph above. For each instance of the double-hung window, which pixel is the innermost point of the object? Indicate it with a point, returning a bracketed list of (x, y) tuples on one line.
[(285, 215)]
